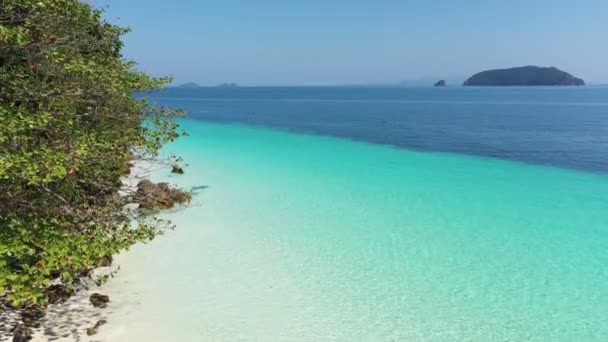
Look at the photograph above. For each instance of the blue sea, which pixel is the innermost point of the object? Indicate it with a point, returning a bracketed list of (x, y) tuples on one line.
[(560, 126), (378, 214)]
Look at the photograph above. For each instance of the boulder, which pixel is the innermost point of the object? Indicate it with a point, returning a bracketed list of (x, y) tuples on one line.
[(177, 169), (21, 334), (93, 330), (31, 316), (58, 293), (151, 195), (99, 300)]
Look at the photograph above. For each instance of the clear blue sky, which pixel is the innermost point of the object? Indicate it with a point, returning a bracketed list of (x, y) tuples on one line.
[(285, 42)]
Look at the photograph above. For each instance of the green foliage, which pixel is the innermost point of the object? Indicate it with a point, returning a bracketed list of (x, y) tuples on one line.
[(69, 124)]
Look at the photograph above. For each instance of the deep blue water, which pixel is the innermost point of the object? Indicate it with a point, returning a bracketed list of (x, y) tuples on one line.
[(560, 126)]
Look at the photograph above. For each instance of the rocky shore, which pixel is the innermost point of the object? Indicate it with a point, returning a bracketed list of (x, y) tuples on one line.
[(77, 314)]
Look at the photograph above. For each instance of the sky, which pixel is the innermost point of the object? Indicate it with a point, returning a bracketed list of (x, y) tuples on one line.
[(333, 42)]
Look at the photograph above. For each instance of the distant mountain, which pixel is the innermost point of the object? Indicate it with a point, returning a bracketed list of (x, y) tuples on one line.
[(189, 85), (524, 76), (227, 85)]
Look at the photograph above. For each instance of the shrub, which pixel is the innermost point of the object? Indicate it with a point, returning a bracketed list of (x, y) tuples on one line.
[(68, 125)]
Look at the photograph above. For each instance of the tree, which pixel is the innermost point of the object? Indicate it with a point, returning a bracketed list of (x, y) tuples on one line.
[(69, 124)]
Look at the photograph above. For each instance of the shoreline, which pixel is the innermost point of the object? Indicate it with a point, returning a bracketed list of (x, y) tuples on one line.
[(69, 321), (248, 272)]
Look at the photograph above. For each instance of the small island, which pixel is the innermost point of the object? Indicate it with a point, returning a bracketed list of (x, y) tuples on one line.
[(524, 76), (440, 83), (189, 85), (227, 85)]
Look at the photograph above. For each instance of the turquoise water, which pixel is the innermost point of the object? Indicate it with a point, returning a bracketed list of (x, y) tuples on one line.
[(311, 238)]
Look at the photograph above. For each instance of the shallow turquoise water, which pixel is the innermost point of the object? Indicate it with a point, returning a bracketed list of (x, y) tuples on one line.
[(309, 238)]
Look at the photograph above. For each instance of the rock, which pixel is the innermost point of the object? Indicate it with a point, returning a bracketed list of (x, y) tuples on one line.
[(105, 261), (99, 300), (58, 293), (524, 76), (93, 330), (31, 316), (177, 169), (150, 195), (21, 334), (85, 272), (441, 83)]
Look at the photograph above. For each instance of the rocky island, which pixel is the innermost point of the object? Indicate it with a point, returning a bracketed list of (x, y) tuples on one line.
[(440, 83), (189, 85), (524, 76)]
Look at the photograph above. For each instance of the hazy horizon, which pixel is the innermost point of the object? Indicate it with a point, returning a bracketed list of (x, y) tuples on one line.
[(414, 83), (344, 43)]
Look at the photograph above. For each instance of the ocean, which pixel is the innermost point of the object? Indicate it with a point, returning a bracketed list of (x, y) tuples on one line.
[(378, 214)]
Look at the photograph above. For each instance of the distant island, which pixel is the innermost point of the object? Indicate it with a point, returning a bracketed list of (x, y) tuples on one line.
[(189, 85), (196, 85), (524, 76), (227, 85), (440, 83)]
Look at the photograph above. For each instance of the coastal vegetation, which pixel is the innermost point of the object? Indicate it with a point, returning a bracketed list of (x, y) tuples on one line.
[(69, 127), (524, 76)]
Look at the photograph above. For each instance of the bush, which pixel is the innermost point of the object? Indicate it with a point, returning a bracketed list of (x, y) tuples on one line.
[(68, 126)]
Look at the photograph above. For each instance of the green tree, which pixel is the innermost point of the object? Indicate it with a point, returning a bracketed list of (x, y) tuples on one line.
[(69, 124)]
